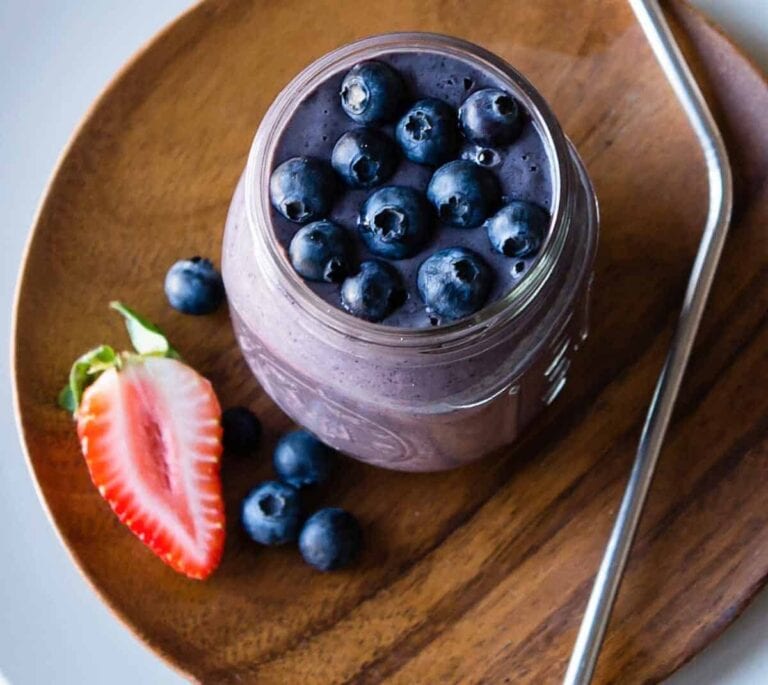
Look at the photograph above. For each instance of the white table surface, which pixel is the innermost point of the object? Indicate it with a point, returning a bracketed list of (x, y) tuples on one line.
[(55, 58)]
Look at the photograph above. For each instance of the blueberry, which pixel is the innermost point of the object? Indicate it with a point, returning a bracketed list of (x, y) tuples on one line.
[(374, 292), (454, 282), (428, 132), (517, 229), (321, 251), (395, 221), (302, 189), (330, 539), (242, 430), (194, 286), (491, 117), (364, 157), (301, 459), (271, 513), (372, 92), (463, 193)]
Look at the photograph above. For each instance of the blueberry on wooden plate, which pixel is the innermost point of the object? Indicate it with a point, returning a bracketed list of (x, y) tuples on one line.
[(194, 286), (242, 430), (300, 459), (271, 513), (330, 539)]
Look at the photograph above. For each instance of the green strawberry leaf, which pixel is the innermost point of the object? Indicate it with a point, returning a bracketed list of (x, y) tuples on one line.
[(67, 399), (146, 338), (84, 371)]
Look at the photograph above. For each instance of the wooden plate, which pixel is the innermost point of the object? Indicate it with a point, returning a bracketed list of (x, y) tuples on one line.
[(481, 574)]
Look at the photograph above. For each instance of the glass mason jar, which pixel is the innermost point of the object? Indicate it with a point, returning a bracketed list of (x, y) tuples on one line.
[(401, 398)]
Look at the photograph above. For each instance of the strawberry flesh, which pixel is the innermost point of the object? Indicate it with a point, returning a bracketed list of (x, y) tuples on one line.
[(151, 436)]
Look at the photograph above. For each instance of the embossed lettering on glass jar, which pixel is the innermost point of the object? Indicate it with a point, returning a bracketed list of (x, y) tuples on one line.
[(415, 399)]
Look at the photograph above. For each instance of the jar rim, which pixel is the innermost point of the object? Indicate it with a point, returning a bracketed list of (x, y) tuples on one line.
[(261, 163)]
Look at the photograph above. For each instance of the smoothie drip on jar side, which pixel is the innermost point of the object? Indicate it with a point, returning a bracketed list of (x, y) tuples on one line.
[(523, 172)]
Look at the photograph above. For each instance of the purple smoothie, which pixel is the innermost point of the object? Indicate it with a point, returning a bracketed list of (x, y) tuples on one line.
[(523, 170), (411, 395)]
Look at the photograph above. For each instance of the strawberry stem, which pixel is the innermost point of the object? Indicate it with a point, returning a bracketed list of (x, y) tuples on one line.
[(147, 339), (84, 371)]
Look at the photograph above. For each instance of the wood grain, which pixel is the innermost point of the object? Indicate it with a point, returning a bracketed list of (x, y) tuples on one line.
[(478, 575)]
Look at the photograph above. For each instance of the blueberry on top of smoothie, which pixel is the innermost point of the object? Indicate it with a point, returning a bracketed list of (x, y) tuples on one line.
[(372, 92), (428, 132), (517, 229), (395, 221), (491, 117), (364, 157), (396, 158), (463, 193), (321, 251), (374, 292), (302, 189), (454, 282)]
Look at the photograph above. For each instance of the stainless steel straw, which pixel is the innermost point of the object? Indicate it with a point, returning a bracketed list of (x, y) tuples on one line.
[(592, 630)]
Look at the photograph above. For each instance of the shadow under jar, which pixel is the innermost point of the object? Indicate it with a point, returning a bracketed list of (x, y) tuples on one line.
[(412, 399)]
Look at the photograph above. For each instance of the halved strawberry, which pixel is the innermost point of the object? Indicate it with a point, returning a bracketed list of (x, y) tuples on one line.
[(150, 431)]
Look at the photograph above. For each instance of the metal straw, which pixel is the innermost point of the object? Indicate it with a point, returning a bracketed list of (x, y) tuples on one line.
[(592, 630)]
